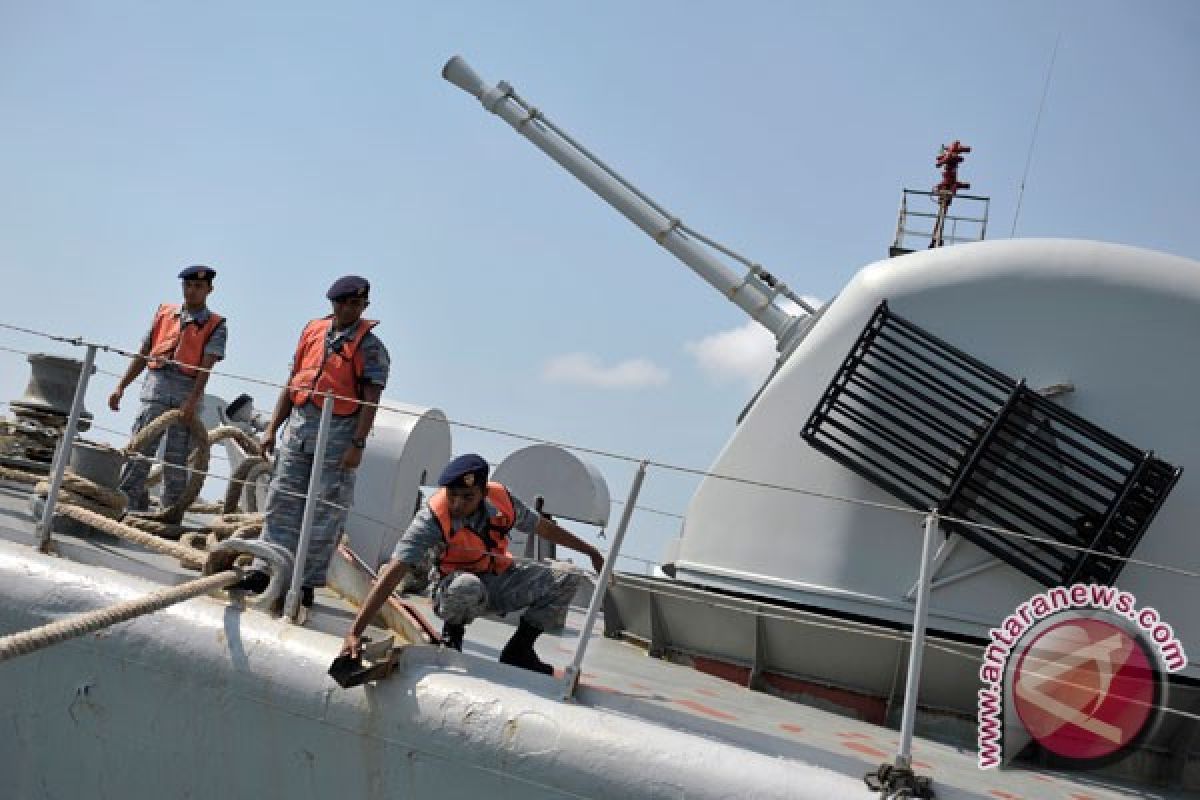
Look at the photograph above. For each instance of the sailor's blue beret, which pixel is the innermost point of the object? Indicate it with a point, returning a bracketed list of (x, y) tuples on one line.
[(464, 471), (348, 286), (197, 272)]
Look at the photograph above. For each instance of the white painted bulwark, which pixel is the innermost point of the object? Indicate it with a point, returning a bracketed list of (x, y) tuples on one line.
[(1121, 324), (203, 700), (406, 450)]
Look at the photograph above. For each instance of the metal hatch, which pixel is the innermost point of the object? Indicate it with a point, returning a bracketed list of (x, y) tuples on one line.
[(940, 429)]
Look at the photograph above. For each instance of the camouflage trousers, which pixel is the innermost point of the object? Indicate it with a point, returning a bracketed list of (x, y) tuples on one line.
[(460, 597), (175, 475), (285, 505)]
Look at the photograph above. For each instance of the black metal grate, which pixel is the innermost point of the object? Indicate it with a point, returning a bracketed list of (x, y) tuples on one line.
[(938, 428)]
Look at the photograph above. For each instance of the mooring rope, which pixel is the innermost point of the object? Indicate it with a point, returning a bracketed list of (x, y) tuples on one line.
[(25, 642), (100, 508), (188, 556), (20, 475)]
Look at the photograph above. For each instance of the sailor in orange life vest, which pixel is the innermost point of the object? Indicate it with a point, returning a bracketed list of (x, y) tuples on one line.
[(467, 523), (341, 355), (181, 338)]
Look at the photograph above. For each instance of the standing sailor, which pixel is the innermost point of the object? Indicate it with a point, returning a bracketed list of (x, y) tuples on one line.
[(341, 355), (183, 343), (467, 522)]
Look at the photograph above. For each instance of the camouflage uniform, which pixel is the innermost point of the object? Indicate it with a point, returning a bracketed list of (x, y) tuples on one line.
[(164, 390), (294, 462), (460, 597)]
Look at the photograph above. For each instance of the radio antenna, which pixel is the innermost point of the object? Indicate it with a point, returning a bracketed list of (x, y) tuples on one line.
[(1033, 139)]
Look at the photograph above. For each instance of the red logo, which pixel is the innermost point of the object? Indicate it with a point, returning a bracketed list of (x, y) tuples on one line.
[(1084, 688)]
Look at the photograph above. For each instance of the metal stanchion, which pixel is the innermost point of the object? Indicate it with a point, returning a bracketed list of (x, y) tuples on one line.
[(571, 674), (291, 604), (917, 648), (62, 455), (897, 779)]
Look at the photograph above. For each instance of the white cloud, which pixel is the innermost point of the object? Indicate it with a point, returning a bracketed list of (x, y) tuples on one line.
[(746, 353), (586, 370)]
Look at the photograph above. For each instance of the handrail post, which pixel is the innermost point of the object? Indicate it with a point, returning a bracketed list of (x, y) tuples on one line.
[(916, 649), (291, 605), (571, 674), (62, 456)]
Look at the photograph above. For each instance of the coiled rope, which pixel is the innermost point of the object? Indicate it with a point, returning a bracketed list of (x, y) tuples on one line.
[(101, 508), (218, 434), (188, 556), (79, 491), (197, 461), (243, 484), (19, 475)]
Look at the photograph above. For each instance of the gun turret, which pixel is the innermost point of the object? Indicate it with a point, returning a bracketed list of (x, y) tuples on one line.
[(755, 292)]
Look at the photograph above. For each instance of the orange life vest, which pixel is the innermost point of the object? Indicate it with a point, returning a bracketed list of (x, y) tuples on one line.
[(469, 551), (339, 373), (185, 344)]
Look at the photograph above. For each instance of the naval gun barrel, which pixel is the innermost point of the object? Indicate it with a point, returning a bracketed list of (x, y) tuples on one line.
[(754, 293)]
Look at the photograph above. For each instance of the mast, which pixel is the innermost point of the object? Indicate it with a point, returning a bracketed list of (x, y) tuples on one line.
[(947, 228), (754, 292), (948, 159)]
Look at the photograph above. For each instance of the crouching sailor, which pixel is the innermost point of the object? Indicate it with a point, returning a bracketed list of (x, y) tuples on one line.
[(338, 354), (467, 522), (183, 343)]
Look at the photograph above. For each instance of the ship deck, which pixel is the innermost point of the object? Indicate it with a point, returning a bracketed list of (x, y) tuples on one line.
[(619, 680)]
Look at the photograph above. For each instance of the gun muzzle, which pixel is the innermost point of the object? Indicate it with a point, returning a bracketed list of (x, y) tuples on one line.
[(459, 72)]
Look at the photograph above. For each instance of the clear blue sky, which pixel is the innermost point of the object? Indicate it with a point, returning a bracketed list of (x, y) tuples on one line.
[(288, 143)]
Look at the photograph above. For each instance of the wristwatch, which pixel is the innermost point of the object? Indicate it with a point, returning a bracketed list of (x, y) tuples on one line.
[(359, 443)]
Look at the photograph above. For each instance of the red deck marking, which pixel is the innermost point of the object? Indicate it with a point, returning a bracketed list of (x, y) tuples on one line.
[(1042, 778), (1003, 795), (1082, 797), (865, 749), (641, 686), (599, 687), (848, 735), (790, 728), (703, 709), (707, 692)]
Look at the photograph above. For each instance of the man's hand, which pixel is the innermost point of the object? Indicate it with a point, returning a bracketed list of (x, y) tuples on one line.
[(351, 645), (352, 457), (187, 411), (114, 399), (597, 560), (268, 442)]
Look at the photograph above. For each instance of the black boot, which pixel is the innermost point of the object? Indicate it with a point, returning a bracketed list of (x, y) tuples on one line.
[(452, 635), (519, 651), (256, 582)]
